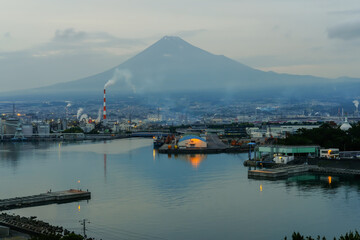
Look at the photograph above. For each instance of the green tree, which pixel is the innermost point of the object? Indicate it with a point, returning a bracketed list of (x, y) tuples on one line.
[(326, 136)]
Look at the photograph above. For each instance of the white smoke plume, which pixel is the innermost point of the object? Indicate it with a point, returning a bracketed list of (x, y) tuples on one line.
[(121, 74), (84, 116), (68, 104), (356, 103), (110, 82), (79, 112), (98, 119)]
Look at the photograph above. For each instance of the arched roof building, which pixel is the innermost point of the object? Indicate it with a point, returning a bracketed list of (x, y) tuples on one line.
[(192, 141)]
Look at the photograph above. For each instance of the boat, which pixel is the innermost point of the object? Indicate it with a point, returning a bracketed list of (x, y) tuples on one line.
[(158, 141)]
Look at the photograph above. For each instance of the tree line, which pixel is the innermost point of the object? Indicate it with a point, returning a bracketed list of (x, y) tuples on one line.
[(327, 136)]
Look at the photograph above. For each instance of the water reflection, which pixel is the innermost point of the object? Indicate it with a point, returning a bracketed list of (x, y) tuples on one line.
[(193, 159), (59, 155), (329, 184), (105, 156), (171, 200), (343, 163), (12, 152)]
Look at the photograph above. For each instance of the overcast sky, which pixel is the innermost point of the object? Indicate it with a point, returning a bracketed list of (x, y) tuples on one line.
[(44, 42)]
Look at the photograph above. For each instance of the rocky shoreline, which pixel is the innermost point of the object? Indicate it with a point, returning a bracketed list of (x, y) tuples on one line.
[(32, 226)]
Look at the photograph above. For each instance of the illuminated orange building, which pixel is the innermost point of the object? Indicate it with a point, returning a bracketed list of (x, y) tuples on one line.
[(192, 141)]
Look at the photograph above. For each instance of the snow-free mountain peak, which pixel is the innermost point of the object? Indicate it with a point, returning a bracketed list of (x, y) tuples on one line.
[(174, 65)]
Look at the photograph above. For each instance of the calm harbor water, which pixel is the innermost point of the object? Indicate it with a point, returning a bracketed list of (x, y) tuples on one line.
[(139, 194)]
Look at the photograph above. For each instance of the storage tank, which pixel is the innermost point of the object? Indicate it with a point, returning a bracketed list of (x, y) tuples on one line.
[(44, 130), (27, 130)]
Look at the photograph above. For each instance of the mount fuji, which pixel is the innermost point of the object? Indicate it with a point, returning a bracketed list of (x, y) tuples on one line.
[(172, 65)]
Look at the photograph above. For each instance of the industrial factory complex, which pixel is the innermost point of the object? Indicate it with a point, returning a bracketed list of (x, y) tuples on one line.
[(137, 116), (189, 129)]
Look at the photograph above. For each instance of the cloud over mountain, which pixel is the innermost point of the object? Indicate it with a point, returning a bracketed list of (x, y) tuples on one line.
[(54, 61), (346, 31)]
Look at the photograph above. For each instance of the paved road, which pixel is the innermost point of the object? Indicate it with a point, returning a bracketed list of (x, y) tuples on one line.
[(214, 142)]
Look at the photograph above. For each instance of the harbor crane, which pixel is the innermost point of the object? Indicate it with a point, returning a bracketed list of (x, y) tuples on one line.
[(18, 130)]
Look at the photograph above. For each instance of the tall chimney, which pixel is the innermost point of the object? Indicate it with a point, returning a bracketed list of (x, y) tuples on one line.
[(104, 117)]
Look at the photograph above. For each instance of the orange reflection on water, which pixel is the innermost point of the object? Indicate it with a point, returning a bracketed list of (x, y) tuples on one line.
[(329, 179), (260, 188), (196, 159), (79, 207)]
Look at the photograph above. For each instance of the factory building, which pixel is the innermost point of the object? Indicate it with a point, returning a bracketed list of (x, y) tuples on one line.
[(278, 151), (87, 127), (276, 131)]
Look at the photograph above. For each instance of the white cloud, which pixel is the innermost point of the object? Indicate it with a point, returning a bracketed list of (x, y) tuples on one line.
[(69, 55), (81, 41)]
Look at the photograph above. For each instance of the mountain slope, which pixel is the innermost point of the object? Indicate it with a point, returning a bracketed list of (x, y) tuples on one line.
[(173, 65)]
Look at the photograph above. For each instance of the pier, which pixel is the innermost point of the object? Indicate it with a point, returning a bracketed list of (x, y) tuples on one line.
[(44, 199), (288, 171)]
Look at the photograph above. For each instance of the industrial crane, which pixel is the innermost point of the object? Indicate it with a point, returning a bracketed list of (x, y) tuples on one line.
[(18, 130)]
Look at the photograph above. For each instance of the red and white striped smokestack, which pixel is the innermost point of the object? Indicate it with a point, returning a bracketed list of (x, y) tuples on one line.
[(104, 117)]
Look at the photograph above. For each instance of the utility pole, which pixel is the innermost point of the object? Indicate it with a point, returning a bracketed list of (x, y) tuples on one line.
[(83, 223)]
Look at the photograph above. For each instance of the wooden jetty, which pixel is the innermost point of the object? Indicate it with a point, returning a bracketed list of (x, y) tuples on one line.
[(44, 199), (287, 171)]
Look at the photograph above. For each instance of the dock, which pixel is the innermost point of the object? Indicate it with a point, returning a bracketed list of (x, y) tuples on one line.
[(288, 171), (278, 173), (214, 145), (44, 199)]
